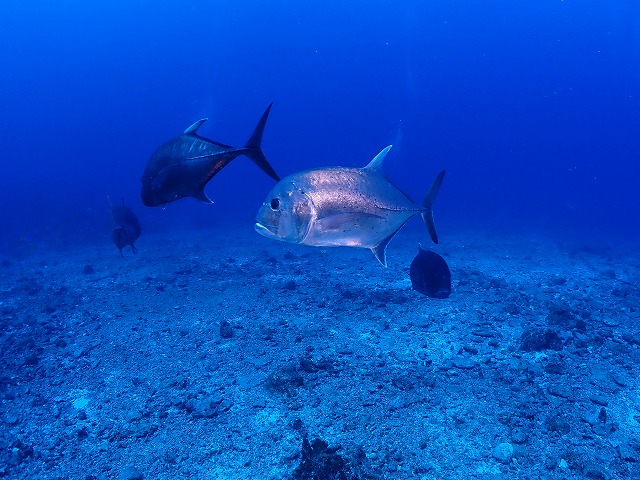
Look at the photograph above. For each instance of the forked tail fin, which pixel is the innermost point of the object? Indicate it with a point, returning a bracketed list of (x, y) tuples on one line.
[(254, 150), (427, 215)]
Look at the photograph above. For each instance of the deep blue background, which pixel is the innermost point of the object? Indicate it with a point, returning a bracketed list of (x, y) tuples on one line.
[(533, 108)]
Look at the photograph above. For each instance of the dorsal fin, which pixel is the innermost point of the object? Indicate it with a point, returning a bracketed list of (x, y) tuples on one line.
[(193, 128), (376, 163)]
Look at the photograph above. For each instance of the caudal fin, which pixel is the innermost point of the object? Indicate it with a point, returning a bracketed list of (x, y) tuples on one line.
[(427, 215), (254, 150)]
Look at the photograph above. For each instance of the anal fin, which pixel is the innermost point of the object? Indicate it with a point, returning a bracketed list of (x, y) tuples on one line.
[(379, 251), (200, 195)]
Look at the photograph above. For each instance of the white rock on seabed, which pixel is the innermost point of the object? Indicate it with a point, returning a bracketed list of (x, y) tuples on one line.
[(503, 452)]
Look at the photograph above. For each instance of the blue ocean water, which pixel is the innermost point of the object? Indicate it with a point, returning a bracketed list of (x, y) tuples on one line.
[(532, 108), (217, 353)]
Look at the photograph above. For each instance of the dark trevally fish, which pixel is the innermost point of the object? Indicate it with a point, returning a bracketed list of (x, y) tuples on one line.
[(430, 274), (182, 166), (126, 229), (336, 206)]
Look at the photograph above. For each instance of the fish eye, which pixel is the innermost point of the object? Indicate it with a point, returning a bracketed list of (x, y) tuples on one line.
[(275, 204)]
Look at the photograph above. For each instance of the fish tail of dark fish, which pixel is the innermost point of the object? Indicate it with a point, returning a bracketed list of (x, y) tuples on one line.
[(427, 215), (254, 150)]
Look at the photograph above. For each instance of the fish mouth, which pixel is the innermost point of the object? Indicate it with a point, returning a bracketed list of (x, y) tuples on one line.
[(264, 230)]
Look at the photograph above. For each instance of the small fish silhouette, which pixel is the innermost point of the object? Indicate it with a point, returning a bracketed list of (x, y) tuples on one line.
[(126, 228), (430, 274)]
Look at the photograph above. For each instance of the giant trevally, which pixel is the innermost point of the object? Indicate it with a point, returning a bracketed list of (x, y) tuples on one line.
[(336, 206), (184, 165), (126, 227)]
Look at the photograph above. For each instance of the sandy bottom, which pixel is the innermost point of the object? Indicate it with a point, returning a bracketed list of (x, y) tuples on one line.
[(214, 355)]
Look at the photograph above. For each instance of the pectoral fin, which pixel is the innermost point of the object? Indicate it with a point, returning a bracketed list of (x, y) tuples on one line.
[(345, 221)]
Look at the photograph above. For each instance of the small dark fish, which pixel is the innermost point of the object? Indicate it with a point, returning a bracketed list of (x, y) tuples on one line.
[(126, 228), (183, 166), (430, 274)]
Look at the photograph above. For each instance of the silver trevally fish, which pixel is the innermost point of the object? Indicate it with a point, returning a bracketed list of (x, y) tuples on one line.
[(336, 206), (183, 166)]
